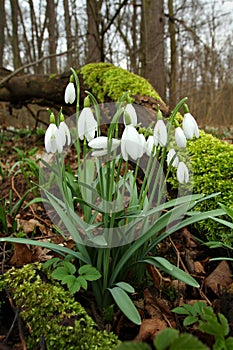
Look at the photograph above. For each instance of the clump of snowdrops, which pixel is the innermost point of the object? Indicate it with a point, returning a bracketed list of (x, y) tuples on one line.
[(115, 217)]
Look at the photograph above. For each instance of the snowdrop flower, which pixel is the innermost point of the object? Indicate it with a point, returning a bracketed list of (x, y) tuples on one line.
[(101, 145), (87, 125), (182, 173), (190, 126), (53, 140), (131, 143), (172, 156), (143, 144), (130, 111), (180, 137), (160, 133), (149, 146), (64, 133), (70, 93)]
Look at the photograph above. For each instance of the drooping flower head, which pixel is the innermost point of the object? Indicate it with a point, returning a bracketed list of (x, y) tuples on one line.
[(70, 93), (172, 157), (131, 143), (180, 137), (87, 125), (130, 113), (182, 173), (53, 140), (150, 145), (190, 126), (100, 144), (64, 131)]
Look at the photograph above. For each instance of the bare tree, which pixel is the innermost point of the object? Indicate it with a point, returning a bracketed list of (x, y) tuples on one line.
[(52, 29), (2, 30), (14, 36), (67, 18), (173, 56), (94, 32), (153, 45)]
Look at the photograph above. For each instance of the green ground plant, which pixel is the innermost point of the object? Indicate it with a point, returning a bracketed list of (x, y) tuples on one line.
[(51, 313), (213, 172)]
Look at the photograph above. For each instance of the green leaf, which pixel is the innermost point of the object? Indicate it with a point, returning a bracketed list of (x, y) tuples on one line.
[(133, 346), (219, 344), (69, 267), (89, 272), (228, 210), (82, 281), (180, 310), (165, 338), (229, 343), (223, 222), (59, 273), (126, 286), (224, 322), (189, 342), (125, 304), (74, 286), (190, 320), (174, 272), (52, 246), (68, 279)]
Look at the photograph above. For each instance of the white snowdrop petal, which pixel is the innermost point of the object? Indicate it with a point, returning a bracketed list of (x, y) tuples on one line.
[(70, 93), (132, 113), (180, 138), (160, 133), (182, 173)]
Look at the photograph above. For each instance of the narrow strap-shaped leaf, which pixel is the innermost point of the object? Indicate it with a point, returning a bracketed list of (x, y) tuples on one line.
[(52, 246), (125, 304)]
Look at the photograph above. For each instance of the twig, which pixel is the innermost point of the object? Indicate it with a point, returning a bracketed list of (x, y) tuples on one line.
[(16, 311), (5, 80)]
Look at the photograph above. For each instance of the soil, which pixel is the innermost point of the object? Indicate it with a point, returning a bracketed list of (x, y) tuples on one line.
[(154, 301)]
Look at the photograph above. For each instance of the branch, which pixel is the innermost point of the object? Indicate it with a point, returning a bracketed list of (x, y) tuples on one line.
[(114, 17), (3, 81)]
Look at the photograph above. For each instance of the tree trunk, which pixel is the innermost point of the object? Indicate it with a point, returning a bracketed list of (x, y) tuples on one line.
[(15, 35), (94, 40), (173, 57), (153, 63), (2, 28), (52, 29), (68, 32)]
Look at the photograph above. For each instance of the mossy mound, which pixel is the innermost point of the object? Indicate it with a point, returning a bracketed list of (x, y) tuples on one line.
[(212, 166), (108, 81), (52, 313)]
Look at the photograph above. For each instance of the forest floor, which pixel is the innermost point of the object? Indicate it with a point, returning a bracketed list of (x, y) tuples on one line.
[(154, 301)]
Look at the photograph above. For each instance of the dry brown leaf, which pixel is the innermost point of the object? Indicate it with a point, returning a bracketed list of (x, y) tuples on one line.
[(150, 328), (22, 255), (199, 268), (220, 278)]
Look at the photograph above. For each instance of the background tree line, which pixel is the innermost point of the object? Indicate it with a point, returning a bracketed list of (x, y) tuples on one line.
[(183, 47)]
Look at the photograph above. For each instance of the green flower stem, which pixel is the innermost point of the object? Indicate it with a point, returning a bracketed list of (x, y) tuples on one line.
[(77, 142)]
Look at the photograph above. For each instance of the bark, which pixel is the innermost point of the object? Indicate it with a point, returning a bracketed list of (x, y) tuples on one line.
[(94, 39), (52, 29), (2, 28), (153, 44), (173, 55), (15, 35), (22, 90), (68, 32)]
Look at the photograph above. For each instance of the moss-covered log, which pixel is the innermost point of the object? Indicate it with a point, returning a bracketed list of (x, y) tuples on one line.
[(51, 313)]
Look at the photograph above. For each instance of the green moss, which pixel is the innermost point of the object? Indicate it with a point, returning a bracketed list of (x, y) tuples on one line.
[(212, 167), (49, 311), (108, 81)]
